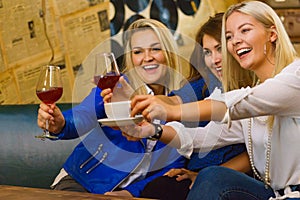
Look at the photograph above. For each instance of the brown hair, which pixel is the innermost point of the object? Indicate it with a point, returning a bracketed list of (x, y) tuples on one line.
[(213, 28)]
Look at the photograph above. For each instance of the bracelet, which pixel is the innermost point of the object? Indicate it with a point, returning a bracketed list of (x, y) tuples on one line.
[(157, 133)]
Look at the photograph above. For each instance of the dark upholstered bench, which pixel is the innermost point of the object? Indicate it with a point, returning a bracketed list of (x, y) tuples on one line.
[(25, 160)]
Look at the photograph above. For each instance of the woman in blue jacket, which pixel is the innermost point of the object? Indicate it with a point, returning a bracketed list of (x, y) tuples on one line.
[(104, 161), (207, 58)]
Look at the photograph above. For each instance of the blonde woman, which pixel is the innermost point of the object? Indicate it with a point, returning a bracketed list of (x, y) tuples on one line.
[(104, 162), (137, 59), (260, 59)]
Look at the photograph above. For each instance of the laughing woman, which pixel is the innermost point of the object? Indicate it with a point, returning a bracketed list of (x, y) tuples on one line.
[(104, 162), (261, 75)]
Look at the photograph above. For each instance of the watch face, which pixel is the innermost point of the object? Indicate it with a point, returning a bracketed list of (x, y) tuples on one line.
[(158, 131)]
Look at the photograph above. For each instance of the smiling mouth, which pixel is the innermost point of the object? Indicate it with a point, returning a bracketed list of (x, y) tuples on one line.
[(149, 67), (244, 51)]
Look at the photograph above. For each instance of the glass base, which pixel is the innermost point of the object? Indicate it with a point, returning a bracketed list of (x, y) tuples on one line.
[(44, 136)]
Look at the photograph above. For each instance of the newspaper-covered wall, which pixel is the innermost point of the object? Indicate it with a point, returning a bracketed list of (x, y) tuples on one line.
[(63, 32), (35, 32), (82, 31)]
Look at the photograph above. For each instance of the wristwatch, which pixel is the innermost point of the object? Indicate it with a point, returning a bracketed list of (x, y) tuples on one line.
[(157, 133)]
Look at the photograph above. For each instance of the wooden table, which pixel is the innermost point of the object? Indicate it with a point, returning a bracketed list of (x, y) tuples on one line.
[(26, 193)]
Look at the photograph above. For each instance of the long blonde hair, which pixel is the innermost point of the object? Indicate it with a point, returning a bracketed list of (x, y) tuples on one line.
[(169, 48), (234, 76)]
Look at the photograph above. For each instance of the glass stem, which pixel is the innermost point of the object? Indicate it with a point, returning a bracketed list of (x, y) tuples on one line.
[(47, 126)]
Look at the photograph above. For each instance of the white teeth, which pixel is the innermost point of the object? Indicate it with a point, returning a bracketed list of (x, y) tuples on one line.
[(219, 68), (150, 66), (241, 51)]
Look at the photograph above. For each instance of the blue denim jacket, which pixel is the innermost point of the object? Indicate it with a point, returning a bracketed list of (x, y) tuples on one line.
[(104, 158)]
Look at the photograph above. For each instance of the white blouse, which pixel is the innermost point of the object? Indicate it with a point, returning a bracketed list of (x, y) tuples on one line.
[(278, 96)]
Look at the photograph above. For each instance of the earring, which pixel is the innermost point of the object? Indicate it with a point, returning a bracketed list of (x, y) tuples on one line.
[(265, 49)]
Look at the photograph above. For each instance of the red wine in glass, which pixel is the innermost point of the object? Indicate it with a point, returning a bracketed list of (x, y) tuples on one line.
[(107, 81), (49, 89), (50, 96), (106, 71)]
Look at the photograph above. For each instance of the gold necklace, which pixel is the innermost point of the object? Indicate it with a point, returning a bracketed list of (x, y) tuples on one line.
[(266, 179)]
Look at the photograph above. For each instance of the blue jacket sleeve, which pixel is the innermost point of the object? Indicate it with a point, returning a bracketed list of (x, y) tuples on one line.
[(83, 117), (193, 91)]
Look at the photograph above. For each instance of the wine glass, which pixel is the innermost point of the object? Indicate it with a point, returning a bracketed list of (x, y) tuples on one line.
[(49, 89), (107, 72)]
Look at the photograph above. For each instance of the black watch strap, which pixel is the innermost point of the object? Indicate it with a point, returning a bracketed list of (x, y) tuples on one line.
[(158, 132)]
